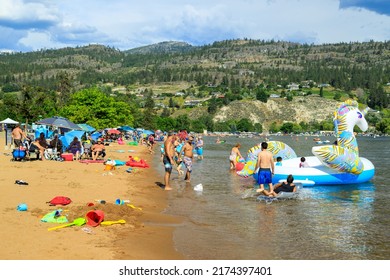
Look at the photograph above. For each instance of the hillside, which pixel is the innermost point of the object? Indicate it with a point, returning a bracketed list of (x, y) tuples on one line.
[(301, 109)]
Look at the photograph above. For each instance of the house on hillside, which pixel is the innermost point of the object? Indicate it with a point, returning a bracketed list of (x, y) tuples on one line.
[(179, 93), (292, 86)]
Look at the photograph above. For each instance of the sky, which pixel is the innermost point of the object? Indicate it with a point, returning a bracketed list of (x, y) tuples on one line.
[(30, 25)]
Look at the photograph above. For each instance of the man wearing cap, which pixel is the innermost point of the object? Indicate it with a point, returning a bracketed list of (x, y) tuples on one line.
[(187, 158), (97, 149)]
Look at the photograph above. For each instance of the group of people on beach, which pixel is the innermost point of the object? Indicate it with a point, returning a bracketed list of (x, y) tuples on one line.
[(177, 150)]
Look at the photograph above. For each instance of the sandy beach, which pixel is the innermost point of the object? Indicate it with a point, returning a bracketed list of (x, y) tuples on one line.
[(146, 235)]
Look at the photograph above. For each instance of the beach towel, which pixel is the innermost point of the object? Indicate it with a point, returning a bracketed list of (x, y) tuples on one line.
[(59, 200)]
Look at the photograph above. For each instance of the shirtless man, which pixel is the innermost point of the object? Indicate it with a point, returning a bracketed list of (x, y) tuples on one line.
[(97, 149), (18, 135), (168, 159), (187, 158), (266, 166)]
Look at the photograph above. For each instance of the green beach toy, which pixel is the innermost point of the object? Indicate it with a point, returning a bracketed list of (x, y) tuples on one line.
[(76, 222)]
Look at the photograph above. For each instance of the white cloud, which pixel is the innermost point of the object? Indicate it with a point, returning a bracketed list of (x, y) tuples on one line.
[(127, 24)]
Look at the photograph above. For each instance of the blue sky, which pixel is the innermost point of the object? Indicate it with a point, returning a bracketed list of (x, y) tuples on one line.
[(27, 25)]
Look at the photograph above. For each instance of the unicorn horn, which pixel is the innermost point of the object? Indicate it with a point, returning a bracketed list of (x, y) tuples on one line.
[(365, 111)]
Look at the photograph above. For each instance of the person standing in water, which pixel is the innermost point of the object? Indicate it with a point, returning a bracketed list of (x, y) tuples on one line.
[(233, 156), (266, 166), (168, 159), (187, 150)]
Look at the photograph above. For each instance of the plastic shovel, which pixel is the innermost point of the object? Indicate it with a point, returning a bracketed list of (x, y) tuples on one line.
[(109, 223), (76, 222), (134, 207)]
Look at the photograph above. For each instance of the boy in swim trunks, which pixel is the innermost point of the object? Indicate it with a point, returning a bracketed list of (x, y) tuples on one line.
[(188, 155), (266, 166)]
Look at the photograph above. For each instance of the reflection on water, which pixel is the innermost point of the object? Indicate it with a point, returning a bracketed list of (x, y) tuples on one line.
[(325, 222)]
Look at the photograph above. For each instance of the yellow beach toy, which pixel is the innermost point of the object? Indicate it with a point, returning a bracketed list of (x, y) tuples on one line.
[(109, 223)]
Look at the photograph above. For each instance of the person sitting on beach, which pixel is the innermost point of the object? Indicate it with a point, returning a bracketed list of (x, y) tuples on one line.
[(233, 156), (97, 150), (35, 147), (278, 161), (75, 148), (303, 163), (287, 186), (56, 144)]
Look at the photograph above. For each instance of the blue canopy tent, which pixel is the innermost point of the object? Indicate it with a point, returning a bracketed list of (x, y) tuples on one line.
[(86, 127)]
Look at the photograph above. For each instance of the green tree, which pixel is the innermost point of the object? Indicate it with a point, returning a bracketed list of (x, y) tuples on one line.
[(245, 125), (261, 95), (97, 109)]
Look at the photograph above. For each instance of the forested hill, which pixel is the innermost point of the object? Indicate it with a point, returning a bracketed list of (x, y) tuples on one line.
[(175, 78), (346, 65)]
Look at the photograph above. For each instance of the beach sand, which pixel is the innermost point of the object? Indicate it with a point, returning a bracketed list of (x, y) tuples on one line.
[(146, 235)]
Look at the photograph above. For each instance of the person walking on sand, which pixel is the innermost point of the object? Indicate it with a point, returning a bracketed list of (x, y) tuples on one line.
[(168, 159), (187, 151), (266, 166), (18, 135)]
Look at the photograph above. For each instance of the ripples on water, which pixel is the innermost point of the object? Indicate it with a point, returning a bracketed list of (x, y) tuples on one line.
[(325, 222)]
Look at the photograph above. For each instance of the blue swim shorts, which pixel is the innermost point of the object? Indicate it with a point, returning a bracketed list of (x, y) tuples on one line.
[(265, 176)]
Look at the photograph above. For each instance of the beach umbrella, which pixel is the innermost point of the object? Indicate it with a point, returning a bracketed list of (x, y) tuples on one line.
[(126, 128), (86, 127), (113, 131), (95, 136), (147, 132), (59, 122)]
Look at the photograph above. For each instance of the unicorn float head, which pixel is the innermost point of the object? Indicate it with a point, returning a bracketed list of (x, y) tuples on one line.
[(344, 156)]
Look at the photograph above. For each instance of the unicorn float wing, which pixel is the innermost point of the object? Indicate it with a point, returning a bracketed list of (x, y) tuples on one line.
[(277, 148), (344, 156)]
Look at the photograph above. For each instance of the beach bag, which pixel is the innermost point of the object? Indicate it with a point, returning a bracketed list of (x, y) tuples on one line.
[(59, 200)]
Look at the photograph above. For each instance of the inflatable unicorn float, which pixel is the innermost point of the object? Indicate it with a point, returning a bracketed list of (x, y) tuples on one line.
[(331, 164)]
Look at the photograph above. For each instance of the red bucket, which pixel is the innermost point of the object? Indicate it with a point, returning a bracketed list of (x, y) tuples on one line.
[(94, 217)]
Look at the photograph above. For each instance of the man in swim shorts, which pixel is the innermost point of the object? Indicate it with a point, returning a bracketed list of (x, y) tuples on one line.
[(266, 166), (168, 159)]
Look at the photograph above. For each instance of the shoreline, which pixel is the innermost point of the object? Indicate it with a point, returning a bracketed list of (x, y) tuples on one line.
[(147, 233)]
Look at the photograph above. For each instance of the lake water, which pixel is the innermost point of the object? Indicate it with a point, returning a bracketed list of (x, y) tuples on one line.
[(325, 222)]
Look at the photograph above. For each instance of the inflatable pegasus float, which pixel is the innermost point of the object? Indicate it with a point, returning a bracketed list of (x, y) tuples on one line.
[(331, 164)]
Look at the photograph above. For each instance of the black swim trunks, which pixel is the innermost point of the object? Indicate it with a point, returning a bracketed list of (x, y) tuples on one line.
[(167, 164)]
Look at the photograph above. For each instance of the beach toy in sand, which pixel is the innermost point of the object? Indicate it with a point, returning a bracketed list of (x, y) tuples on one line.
[(119, 201), (94, 217), (22, 207), (134, 207), (198, 188), (109, 223), (101, 201), (54, 217), (76, 222)]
